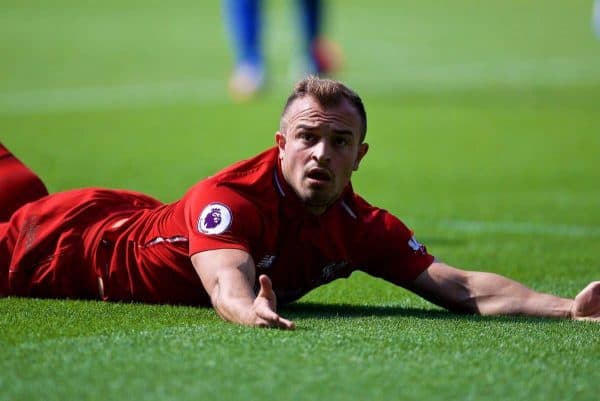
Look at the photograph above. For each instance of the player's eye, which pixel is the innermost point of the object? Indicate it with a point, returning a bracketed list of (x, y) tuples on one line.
[(307, 136), (340, 141)]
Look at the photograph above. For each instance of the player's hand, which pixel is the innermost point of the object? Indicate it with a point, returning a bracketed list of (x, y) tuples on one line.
[(265, 306), (586, 305)]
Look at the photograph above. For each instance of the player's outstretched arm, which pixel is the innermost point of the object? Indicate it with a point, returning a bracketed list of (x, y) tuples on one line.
[(491, 294), (228, 276)]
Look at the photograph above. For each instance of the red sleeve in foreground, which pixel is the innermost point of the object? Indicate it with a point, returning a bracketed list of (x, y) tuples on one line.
[(219, 218), (392, 252)]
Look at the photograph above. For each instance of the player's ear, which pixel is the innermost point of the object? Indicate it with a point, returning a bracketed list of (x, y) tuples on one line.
[(363, 148), (280, 140)]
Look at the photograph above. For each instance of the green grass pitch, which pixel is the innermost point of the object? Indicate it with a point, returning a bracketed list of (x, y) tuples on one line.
[(484, 125)]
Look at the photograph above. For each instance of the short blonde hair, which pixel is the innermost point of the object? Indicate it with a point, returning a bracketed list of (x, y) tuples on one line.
[(329, 93)]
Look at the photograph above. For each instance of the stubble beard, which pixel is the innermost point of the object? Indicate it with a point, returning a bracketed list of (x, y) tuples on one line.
[(318, 201)]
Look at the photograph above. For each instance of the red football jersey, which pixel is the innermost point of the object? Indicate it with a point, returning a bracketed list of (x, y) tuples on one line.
[(18, 184), (249, 206)]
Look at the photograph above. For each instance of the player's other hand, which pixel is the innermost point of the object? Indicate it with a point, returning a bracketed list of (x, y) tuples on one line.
[(265, 307), (586, 305)]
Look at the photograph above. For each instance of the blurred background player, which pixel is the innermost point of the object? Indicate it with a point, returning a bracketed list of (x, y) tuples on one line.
[(244, 21), (596, 18)]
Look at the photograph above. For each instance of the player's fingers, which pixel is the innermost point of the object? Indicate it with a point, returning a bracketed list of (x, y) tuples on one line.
[(587, 302), (286, 324), (268, 315), (589, 319), (593, 287), (266, 287), (279, 323)]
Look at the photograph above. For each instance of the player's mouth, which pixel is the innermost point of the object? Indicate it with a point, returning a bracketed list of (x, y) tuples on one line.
[(319, 175)]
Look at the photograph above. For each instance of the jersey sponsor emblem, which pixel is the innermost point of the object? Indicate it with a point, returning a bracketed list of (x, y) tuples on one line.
[(415, 245), (334, 270), (266, 262), (214, 219)]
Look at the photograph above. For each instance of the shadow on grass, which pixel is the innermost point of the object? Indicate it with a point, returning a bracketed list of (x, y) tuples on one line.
[(109, 311), (312, 310)]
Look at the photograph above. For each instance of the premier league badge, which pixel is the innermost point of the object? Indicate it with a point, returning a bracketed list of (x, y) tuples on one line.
[(214, 219)]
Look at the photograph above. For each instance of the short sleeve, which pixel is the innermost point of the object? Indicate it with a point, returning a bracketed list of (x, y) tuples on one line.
[(392, 251), (217, 217)]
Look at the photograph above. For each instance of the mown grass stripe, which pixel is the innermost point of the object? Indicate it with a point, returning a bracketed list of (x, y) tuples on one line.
[(507, 227), (558, 71)]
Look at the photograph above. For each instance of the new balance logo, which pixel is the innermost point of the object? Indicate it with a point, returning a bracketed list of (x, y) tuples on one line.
[(266, 262)]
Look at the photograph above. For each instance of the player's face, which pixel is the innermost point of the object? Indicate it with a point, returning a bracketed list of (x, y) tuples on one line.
[(319, 150)]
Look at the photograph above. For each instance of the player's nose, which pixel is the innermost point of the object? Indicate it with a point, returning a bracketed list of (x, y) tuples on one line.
[(321, 151)]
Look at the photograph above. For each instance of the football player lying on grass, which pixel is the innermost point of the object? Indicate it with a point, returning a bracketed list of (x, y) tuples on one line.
[(263, 231)]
